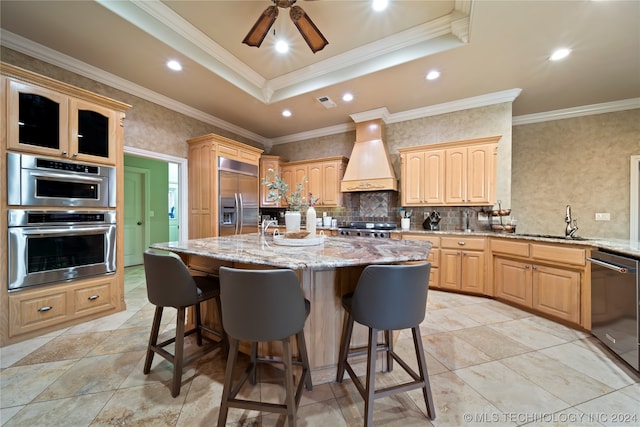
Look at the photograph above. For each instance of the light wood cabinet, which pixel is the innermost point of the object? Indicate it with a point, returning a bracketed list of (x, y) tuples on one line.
[(461, 173), (44, 116), (46, 307), (48, 122), (433, 258), (204, 152), (320, 177), (544, 277), (462, 264), (269, 165)]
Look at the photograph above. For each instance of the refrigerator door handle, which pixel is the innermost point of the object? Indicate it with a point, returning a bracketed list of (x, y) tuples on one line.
[(240, 208)]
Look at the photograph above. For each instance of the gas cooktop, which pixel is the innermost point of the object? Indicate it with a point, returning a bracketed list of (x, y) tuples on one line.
[(367, 229)]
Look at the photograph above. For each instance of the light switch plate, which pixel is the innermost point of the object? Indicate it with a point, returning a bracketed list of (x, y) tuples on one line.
[(603, 216)]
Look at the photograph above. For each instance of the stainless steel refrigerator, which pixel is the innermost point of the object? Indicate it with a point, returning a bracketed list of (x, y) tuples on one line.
[(238, 189)]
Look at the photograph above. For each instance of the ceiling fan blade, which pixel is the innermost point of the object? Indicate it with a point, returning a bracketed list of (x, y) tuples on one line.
[(308, 29), (261, 27)]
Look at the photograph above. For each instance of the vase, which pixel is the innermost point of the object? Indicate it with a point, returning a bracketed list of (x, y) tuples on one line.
[(311, 221), (292, 220)]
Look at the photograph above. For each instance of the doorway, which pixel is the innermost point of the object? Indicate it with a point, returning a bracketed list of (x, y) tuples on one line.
[(157, 197)]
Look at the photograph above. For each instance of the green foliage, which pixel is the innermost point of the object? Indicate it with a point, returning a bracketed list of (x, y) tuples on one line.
[(279, 191)]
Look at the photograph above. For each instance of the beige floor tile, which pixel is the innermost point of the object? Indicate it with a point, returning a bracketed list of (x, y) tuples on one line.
[(453, 352), (122, 340), (71, 411), (491, 342), (21, 384), (558, 379), (527, 333), (448, 319), (613, 409), (64, 347), (509, 391), (12, 353), (92, 375)]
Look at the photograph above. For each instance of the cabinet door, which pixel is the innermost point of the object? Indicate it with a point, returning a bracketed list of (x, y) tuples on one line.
[(456, 175), (434, 162), (315, 184), (201, 191), (472, 271), (450, 268), (331, 183), (480, 174), (513, 281), (557, 292), (93, 132), (267, 165), (38, 120), (300, 176), (413, 179)]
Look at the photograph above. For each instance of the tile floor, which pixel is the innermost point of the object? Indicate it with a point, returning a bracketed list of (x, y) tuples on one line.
[(489, 364)]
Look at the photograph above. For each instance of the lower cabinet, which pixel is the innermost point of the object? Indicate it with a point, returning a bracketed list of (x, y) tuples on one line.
[(462, 264), (40, 308), (553, 290), (433, 257)]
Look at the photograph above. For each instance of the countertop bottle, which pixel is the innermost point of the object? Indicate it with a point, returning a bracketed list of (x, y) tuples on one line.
[(311, 220)]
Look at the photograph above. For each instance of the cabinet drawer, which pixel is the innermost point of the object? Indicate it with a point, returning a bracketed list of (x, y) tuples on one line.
[(434, 257), (94, 298), (435, 240), (36, 310), (462, 242), (510, 247), (559, 254)]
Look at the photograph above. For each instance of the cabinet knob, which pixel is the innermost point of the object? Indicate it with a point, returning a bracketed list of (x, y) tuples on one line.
[(461, 243), (526, 267), (75, 154), (64, 153)]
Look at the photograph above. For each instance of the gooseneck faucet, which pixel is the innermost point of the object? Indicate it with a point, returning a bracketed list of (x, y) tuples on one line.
[(570, 230), (266, 223)]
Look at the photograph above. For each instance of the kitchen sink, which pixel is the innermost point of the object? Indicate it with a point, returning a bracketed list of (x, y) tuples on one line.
[(552, 236)]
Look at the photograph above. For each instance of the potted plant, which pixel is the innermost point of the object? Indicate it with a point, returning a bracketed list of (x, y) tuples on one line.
[(294, 199)]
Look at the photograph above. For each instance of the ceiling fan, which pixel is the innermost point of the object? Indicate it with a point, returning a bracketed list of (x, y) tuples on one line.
[(307, 28)]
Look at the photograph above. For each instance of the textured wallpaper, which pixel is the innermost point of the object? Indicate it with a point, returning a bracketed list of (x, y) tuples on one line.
[(582, 162)]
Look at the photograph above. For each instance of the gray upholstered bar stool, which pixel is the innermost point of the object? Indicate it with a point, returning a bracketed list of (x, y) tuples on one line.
[(169, 284), (387, 298), (263, 306)]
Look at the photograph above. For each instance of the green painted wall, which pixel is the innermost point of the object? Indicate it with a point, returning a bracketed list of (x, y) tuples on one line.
[(158, 197)]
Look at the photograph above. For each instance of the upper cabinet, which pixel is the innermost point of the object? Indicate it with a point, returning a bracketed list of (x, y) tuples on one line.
[(49, 122), (320, 177), (269, 164), (460, 173)]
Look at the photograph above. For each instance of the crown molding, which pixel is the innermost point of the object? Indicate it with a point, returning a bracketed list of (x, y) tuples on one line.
[(584, 110), (35, 50), (316, 133)]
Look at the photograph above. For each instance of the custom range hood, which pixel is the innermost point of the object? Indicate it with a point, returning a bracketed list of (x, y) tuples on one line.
[(369, 167)]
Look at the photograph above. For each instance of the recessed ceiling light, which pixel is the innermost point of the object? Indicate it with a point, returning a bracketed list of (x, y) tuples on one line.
[(286, 113), (560, 54), (282, 46), (347, 97), (432, 75), (174, 65), (379, 5)]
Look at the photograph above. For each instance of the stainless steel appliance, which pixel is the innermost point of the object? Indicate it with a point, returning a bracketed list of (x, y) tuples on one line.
[(47, 246), (41, 181), (238, 187), (367, 229), (615, 304)]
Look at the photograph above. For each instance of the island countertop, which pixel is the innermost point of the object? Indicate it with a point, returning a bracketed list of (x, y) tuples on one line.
[(333, 252)]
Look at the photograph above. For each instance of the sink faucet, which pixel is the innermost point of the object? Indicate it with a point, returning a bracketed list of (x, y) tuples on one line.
[(266, 223), (570, 230)]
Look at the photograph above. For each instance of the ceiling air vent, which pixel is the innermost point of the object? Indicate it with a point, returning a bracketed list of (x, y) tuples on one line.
[(326, 101)]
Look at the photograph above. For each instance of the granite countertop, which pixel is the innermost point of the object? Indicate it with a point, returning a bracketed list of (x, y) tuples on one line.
[(621, 246), (333, 252)]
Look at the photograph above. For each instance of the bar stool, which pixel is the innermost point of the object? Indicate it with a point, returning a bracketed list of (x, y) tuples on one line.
[(169, 284), (263, 306), (387, 298)]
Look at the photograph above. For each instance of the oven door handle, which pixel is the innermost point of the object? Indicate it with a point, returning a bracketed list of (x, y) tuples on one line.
[(622, 270), (66, 177), (66, 231)]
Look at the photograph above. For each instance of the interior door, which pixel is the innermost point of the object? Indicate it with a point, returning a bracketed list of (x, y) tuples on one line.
[(134, 215)]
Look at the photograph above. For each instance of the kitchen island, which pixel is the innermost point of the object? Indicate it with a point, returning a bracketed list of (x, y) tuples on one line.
[(326, 272)]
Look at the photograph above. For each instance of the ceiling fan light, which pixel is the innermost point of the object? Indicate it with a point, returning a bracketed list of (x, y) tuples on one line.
[(308, 29), (559, 54), (282, 46), (379, 5), (260, 29)]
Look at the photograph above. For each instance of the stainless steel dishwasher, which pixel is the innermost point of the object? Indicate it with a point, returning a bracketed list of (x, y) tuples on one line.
[(615, 304)]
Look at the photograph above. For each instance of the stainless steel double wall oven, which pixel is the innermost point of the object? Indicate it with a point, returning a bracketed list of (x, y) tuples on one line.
[(62, 220)]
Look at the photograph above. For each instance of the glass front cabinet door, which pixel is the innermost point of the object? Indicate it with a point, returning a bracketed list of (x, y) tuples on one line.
[(51, 123)]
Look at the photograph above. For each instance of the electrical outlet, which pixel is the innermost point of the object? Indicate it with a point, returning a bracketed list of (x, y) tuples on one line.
[(603, 216)]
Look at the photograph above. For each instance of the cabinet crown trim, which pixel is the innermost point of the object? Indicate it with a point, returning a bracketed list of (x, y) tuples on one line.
[(452, 144)]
